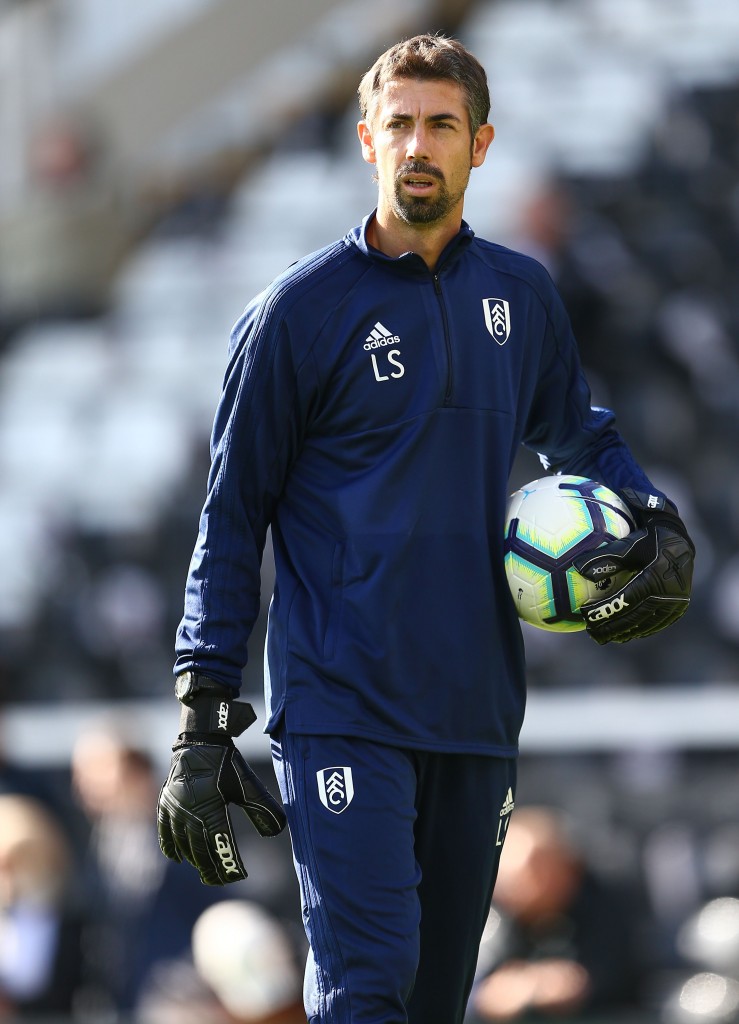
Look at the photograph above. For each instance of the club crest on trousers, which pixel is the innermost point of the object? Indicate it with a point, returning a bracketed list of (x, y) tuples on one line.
[(335, 788), (497, 319)]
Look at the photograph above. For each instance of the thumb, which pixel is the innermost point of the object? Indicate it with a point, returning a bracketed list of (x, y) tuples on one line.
[(241, 785), (630, 553)]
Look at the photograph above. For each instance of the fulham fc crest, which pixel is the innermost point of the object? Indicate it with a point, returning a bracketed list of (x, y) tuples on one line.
[(335, 788), (497, 319)]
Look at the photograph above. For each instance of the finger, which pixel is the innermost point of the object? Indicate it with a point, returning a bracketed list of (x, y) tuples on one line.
[(212, 851), (267, 818), (207, 865), (658, 614), (178, 826), (616, 615), (166, 839), (216, 852), (649, 616)]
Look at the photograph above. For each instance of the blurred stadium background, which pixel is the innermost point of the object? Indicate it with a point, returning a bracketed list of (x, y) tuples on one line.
[(161, 161)]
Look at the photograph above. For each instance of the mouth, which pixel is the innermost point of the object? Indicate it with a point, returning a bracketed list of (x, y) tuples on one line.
[(419, 179), (418, 185)]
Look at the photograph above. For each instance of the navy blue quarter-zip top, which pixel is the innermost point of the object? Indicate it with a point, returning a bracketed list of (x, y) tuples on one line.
[(370, 416)]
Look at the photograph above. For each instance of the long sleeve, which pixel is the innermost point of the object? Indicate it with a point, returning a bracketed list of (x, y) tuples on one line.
[(257, 433), (570, 435)]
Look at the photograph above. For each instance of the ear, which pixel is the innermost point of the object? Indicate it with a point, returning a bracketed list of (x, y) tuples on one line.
[(481, 143), (365, 140)]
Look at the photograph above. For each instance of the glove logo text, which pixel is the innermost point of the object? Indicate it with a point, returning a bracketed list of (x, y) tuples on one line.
[(607, 610), (224, 851), (608, 569), (335, 788), (223, 715)]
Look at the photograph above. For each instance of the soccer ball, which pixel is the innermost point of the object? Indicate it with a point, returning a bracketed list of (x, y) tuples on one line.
[(548, 523)]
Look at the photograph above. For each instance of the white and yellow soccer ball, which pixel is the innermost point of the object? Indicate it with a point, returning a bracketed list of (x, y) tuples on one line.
[(548, 523)]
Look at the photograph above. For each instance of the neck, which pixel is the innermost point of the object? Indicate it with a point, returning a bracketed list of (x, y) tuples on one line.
[(393, 237)]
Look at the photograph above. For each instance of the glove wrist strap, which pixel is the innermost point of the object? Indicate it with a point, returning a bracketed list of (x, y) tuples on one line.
[(216, 715), (653, 508)]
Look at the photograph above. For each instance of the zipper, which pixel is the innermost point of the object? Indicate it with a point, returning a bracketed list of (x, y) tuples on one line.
[(447, 339)]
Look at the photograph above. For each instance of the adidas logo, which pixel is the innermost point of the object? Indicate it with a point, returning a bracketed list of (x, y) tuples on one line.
[(379, 337), (508, 804)]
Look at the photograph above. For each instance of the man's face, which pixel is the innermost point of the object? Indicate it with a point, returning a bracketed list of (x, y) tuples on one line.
[(419, 138)]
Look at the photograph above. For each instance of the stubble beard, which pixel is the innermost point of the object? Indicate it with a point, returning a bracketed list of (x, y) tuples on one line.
[(424, 209)]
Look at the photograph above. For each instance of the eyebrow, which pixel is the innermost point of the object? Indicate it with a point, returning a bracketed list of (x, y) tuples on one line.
[(432, 117)]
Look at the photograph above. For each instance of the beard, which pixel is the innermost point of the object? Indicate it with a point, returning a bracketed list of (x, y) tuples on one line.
[(424, 209)]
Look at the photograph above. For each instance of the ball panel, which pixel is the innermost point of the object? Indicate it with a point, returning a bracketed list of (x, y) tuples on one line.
[(553, 522), (532, 587), (533, 583)]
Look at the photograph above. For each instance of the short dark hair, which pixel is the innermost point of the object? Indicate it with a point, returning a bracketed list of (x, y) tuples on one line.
[(430, 57)]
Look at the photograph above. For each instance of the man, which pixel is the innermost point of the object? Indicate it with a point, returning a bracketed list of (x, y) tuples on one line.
[(561, 939), (376, 396)]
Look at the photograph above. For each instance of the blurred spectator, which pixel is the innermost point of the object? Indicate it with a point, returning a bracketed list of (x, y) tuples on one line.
[(176, 994), (39, 928), (249, 960), (60, 247), (559, 940), (243, 970), (142, 907)]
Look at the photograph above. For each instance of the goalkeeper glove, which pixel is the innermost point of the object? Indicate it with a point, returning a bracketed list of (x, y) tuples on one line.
[(206, 774), (660, 555)]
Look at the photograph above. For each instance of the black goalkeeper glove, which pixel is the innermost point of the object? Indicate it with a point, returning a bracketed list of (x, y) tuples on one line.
[(660, 555), (206, 775)]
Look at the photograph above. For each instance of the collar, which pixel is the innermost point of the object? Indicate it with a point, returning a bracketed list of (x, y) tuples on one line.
[(409, 262)]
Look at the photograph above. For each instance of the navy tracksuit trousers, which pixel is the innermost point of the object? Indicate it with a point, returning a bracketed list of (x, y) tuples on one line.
[(396, 853)]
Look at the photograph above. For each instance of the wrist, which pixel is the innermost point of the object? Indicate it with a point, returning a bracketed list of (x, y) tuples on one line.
[(190, 685), (208, 708), (655, 509)]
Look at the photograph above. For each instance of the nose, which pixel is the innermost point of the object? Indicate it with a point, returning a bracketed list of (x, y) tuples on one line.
[(418, 144)]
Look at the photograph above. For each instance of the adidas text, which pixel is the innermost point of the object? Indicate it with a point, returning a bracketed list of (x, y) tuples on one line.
[(224, 851), (607, 610), (393, 339)]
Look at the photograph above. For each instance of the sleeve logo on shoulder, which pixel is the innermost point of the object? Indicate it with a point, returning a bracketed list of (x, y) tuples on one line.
[(497, 319)]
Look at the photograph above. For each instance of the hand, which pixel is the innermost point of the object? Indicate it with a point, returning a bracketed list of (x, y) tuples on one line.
[(660, 555), (206, 775), (552, 986)]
